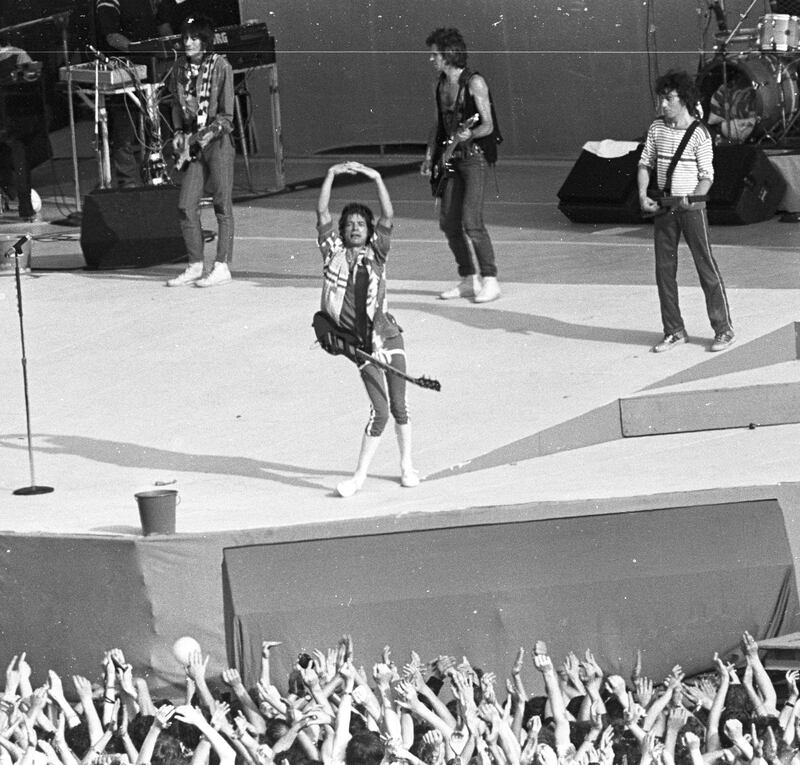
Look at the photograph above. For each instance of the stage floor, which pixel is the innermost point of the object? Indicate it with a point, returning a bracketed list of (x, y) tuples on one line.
[(222, 394)]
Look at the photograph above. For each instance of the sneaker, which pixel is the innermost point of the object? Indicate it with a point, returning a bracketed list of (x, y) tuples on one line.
[(468, 287), (722, 340), (191, 274), (670, 341), (490, 290), (220, 274)]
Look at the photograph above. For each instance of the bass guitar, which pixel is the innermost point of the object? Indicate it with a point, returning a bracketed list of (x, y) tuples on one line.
[(667, 203), (194, 144), (442, 169), (337, 341)]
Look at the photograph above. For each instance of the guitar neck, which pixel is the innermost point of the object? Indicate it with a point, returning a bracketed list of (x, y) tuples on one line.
[(423, 382)]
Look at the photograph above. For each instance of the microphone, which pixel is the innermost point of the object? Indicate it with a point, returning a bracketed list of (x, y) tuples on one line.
[(102, 56), (17, 246), (719, 14)]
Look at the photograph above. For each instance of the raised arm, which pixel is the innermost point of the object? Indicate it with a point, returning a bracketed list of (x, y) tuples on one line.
[(387, 211), (324, 200), (715, 713), (762, 680), (557, 707)]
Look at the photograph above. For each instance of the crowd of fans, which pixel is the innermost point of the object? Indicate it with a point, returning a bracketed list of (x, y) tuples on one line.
[(442, 713)]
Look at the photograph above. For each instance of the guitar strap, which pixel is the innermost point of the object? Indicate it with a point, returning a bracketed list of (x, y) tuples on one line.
[(676, 157)]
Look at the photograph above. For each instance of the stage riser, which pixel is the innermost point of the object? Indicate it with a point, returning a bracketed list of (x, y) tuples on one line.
[(484, 591), (687, 411)]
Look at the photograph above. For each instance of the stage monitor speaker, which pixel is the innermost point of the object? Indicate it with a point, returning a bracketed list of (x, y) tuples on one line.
[(602, 190), (132, 228), (747, 187)]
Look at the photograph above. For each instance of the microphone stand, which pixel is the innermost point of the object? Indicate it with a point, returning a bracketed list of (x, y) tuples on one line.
[(33, 488)]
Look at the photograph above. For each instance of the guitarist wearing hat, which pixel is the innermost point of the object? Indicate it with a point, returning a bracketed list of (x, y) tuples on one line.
[(354, 253), (461, 146)]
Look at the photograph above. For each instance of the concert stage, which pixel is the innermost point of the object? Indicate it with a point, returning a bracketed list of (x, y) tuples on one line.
[(576, 487)]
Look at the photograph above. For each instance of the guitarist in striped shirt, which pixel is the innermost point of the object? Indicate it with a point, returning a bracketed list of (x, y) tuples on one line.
[(680, 149)]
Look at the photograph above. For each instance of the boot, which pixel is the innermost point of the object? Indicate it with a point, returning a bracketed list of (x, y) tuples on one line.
[(408, 476), (369, 445), (468, 287)]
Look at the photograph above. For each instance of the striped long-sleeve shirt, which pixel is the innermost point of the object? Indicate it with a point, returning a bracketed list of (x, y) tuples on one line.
[(696, 161)]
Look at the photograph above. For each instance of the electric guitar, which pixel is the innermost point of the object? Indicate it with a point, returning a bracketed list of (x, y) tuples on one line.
[(670, 203), (337, 341), (194, 144), (442, 169)]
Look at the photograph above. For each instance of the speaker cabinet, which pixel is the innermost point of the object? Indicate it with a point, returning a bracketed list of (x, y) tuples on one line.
[(132, 228), (747, 187), (601, 190)]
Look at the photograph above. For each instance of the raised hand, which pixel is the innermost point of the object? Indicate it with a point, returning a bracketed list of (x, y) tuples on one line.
[(56, 687), (83, 688), (791, 684), (675, 677), (231, 677), (636, 672), (516, 667), (749, 645), (219, 717), (190, 715), (309, 676), (24, 669), (12, 677), (267, 646), (644, 691), (441, 665), (406, 692), (676, 718), (691, 741), (487, 682), (125, 680), (325, 665), (196, 667), (615, 684), (163, 716), (382, 674), (605, 748), (413, 674)]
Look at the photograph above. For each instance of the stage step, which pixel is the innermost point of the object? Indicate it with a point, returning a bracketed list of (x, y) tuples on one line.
[(766, 396)]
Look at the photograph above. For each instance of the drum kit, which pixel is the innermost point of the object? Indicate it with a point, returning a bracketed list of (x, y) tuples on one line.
[(749, 87)]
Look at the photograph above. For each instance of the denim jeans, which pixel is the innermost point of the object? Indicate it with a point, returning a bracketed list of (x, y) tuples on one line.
[(211, 173), (461, 216), (666, 235)]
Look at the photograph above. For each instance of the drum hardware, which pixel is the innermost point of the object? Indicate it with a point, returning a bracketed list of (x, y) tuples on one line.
[(752, 95)]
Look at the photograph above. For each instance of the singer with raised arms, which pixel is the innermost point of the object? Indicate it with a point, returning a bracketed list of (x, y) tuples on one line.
[(354, 254)]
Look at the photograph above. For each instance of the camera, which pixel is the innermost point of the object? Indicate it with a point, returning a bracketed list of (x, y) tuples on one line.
[(303, 659)]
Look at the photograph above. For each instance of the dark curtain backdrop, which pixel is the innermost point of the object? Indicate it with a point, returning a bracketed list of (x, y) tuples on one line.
[(561, 73)]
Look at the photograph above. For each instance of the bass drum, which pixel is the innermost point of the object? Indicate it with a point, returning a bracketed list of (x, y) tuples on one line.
[(745, 97)]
